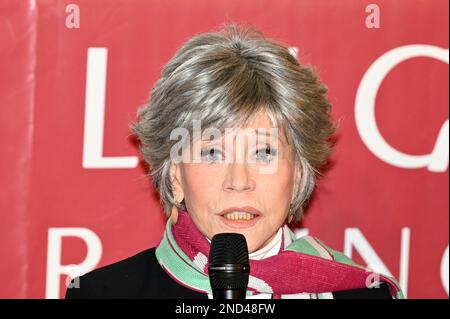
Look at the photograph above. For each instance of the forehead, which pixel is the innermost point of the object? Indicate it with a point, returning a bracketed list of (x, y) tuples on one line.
[(260, 125), (260, 120)]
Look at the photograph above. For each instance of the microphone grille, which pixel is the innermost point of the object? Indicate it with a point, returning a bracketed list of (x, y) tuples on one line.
[(228, 248)]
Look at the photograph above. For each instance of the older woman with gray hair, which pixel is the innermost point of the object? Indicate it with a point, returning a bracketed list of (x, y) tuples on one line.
[(270, 125)]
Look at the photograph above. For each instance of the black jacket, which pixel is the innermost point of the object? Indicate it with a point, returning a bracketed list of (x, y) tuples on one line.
[(141, 276)]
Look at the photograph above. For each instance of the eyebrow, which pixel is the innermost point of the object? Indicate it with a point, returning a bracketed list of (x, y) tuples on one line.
[(265, 134), (262, 131)]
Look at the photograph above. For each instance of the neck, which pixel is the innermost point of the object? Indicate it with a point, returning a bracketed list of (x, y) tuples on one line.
[(271, 249)]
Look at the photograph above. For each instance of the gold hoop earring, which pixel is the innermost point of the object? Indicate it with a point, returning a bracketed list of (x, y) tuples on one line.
[(174, 215), (291, 217)]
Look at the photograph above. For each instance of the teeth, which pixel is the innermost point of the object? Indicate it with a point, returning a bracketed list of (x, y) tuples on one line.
[(239, 216)]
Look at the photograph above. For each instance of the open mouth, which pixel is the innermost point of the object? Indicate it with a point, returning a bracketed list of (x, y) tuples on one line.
[(240, 217)]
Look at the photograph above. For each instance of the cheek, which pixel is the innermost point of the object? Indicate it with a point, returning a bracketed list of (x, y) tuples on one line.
[(279, 184), (201, 186), (280, 188), (195, 180)]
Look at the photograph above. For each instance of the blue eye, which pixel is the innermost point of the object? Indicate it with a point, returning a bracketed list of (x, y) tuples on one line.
[(266, 154), (211, 154)]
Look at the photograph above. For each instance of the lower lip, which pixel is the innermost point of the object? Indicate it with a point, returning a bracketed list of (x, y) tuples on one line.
[(242, 223)]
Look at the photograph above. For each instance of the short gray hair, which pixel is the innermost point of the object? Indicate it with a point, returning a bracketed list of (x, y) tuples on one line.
[(224, 78)]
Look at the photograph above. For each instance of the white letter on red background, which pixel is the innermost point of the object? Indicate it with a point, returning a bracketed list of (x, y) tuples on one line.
[(355, 239), (437, 160), (54, 267), (444, 270), (94, 116)]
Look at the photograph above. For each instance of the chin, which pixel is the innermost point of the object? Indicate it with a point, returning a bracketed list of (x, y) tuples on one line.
[(252, 246), (252, 250)]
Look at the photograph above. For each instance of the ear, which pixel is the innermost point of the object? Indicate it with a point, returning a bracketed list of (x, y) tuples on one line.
[(175, 179)]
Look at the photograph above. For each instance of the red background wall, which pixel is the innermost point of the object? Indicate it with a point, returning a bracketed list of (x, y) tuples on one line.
[(43, 183)]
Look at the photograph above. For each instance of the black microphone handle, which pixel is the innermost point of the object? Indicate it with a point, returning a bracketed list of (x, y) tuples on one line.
[(229, 293)]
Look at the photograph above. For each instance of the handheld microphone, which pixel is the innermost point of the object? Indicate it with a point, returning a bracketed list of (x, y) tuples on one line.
[(229, 267)]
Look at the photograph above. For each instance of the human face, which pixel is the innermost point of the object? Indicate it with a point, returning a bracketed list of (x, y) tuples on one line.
[(211, 188)]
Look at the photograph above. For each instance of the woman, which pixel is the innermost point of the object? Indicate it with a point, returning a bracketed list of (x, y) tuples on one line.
[(253, 181)]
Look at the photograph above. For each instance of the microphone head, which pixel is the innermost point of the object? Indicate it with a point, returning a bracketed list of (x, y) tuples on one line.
[(228, 262)]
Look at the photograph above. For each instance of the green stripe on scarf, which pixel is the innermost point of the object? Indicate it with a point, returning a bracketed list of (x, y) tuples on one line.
[(177, 263), (191, 274)]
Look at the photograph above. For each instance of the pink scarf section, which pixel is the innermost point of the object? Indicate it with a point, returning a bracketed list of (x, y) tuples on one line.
[(288, 272)]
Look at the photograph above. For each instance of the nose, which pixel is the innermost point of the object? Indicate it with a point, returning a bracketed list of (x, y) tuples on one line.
[(238, 178)]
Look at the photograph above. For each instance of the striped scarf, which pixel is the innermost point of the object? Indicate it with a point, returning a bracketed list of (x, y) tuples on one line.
[(304, 268)]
